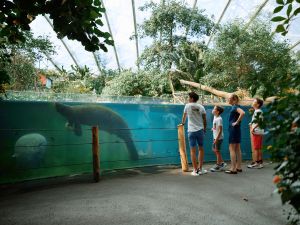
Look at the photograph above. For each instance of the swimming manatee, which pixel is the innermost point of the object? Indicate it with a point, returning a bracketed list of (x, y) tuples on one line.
[(96, 115), (30, 150)]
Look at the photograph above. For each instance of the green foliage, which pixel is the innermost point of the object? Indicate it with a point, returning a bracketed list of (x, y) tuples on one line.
[(22, 73), (75, 19), (292, 9), (173, 26), (283, 114), (283, 118), (79, 73), (137, 84), (34, 48), (96, 83), (4, 77), (249, 59), (17, 61), (189, 58), (77, 80)]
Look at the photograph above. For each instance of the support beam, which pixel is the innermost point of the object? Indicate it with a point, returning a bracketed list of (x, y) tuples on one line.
[(135, 33), (162, 2), (294, 45), (97, 63), (188, 28), (63, 42), (219, 20), (53, 63), (109, 29), (256, 13)]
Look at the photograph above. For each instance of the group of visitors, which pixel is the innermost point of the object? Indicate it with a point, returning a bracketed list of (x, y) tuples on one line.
[(196, 115)]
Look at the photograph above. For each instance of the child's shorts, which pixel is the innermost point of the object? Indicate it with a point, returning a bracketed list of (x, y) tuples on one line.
[(257, 141), (218, 145), (196, 138)]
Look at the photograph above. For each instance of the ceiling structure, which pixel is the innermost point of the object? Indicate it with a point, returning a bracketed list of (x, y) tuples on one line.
[(121, 19)]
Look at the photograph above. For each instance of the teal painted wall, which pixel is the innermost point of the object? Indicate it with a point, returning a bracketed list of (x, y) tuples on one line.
[(35, 142)]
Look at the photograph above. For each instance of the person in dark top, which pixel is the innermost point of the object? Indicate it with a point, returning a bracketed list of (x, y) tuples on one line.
[(235, 117)]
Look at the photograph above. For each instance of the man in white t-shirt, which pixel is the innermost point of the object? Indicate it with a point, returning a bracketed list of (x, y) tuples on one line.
[(196, 128)]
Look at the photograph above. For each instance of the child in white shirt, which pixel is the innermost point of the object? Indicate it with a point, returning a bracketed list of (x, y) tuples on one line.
[(218, 138), (257, 135)]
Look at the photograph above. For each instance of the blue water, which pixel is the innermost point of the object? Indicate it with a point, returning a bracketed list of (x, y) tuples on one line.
[(35, 142)]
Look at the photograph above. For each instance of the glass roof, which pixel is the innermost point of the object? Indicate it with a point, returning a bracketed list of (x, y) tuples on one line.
[(121, 20)]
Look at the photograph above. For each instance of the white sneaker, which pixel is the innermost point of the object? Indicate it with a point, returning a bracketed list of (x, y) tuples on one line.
[(260, 165), (202, 171), (194, 173), (224, 164), (216, 168), (253, 165)]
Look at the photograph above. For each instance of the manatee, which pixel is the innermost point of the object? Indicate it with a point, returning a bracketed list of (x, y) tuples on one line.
[(30, 150), (95, 115)]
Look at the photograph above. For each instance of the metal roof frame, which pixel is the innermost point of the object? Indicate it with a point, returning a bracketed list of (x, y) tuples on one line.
[(52, 62), (219, 20), (109, 29), (294, 45), (63, 42), (256, 14), (67, 48), (194, 6), (247, 24), (252, 18), (135, 33)]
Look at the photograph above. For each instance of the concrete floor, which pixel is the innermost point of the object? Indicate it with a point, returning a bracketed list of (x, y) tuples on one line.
[(155, 195)]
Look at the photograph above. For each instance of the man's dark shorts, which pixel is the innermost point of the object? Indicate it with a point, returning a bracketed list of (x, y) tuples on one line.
[(196, 138)]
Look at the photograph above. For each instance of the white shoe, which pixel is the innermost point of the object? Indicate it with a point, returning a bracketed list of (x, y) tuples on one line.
[(194, 173), (260, 166), (202, 171), (216, 168), (224, 164), (253, 165)]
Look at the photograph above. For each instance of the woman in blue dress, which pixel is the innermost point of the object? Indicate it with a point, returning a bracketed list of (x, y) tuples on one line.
[(235, 117)]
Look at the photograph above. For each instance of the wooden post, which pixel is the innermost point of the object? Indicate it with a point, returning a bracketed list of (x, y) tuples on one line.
[(182, 148), (96, 162)]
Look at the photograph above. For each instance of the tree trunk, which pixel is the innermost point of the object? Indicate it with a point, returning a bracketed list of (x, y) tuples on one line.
[(244, 101), (216, 92)]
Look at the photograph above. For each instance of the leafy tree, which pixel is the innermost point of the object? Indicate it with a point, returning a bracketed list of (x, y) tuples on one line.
[(77, 20), (22, 73), (135, 84), (34, 48), (190, 59), (79, 73), (77, 80), (177, 31), (250, 59), (18, 61), (4, 77)]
